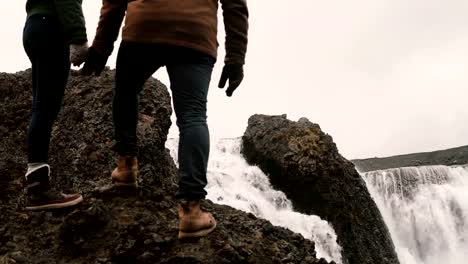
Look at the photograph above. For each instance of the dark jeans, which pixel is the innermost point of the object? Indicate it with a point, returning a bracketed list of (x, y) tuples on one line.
[(190, 74), (49, 55)]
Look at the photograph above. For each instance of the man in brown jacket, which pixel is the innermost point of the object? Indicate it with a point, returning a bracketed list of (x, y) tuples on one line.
[(181, 35)]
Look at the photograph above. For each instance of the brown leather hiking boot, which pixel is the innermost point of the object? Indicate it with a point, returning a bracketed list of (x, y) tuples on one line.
[(193, 222), (126, 172)]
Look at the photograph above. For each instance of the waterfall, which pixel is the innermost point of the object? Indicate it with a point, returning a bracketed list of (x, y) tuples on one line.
[(231, 181), (426, 210)]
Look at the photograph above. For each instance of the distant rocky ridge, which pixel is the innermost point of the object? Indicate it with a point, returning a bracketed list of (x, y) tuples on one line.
[(111, 226), (449, 157)]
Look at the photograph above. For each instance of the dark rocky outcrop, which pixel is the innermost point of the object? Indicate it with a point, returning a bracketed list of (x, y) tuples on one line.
[(304, 162), (113, 226), (448, 157)]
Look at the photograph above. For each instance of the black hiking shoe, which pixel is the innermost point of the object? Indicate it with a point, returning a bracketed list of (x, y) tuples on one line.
[(51, 199), (39, 194)]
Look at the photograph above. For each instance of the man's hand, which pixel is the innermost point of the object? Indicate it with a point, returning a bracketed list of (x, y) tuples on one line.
[(235, 74), (95, 63), (78, 53)]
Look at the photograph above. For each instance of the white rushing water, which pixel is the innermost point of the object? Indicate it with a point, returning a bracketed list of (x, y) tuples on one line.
[(233, 182), (426, 210)]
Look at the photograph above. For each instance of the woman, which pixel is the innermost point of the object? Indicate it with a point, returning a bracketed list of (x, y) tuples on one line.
[(54, 36)]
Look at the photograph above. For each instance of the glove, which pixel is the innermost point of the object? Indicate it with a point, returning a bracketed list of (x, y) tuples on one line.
[(95, 63), (78, 53), (235, 74)]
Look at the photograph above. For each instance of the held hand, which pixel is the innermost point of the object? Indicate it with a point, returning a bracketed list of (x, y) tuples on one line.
[(78, 53), (95, 62), (235, 74)]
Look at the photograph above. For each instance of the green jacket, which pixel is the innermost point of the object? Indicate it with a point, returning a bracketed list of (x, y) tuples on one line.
[(69, 13)]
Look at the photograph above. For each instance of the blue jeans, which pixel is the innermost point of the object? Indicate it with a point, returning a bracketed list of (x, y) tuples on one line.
[(48, 52), (190, 74)]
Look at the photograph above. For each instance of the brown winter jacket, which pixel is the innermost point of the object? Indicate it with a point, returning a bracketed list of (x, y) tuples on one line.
[(186, 23)]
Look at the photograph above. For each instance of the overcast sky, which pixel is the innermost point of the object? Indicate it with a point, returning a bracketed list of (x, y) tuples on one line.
[(382, 77)]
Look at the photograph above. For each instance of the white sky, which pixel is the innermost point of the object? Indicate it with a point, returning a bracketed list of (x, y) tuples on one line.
[(383, 77)]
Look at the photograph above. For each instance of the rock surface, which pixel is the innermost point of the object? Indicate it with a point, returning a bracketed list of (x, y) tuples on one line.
[(448, 157), (304, 162), (114, 226)]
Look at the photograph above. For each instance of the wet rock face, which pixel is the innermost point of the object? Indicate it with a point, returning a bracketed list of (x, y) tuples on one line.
[(115, 226), (304, 162)]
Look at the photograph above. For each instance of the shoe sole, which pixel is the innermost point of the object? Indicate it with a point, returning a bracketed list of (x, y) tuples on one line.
[(55, 206), (200, 233), (125, 184), (117, 183)]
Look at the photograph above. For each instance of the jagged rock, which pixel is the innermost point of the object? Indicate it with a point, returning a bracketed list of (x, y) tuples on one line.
[(304, 162), (116, 226)]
